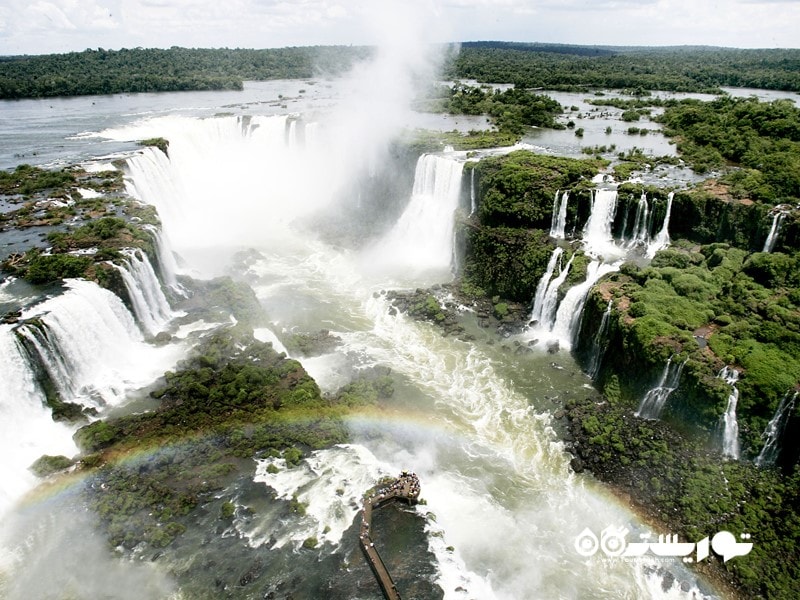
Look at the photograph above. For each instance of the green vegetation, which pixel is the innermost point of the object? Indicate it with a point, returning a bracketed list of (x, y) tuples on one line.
[(678, 482), (762, 138), (513, 110), (233, 400), (25, 180), (153, 70), (159, 142), (680, 69)]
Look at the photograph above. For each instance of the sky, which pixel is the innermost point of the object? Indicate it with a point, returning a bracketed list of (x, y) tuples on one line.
[(52, 26)]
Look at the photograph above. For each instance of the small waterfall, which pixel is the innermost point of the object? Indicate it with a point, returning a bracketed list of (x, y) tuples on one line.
[(550, 300), (422, 240), (149, 303), (568, 315), (654, 400), (730, 428), (640, 235), (777, 221), (473, 206), (597, 237), (661, 240), (90, 346), (541, 288), (772, 434), (559, 220), (597, 344)]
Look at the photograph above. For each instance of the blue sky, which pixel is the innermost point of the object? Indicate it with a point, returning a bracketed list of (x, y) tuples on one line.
[(44, 26)]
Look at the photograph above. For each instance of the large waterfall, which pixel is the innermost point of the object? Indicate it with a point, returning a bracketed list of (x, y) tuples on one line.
[(559, 221), (778, 217), (90, 345), (422, 239), (27, 429), (661, 239)]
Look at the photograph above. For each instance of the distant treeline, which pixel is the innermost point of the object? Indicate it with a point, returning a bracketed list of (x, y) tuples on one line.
[(154, 70), (547, 66), (680, 69)]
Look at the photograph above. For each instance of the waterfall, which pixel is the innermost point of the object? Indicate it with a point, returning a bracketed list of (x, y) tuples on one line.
[(472, 201), (730, 428), (27, 429), (772, 434), (422, 239), (541, 288), (166, 260), (568, 315), (90, 346), (640, 236), (654, 400), (559, 220), (550, 300), (597, 237), (777, 221), (661, 240), (597, 344), (149, 303)]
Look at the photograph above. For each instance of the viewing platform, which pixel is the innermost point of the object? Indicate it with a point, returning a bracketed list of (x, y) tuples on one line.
[(404, 489)]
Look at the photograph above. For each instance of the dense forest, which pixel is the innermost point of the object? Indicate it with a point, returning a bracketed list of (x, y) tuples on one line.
[(152, 70), (549, 66), (679, 69)]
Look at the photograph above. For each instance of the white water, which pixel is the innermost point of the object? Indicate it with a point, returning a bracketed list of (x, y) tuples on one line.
[(598, 349), (421, 243), (150, 305), (27, 429), (730, 427), (774, 231), (568, 316), (640, 235), (550, 300), (661, 240), (772, 434), (544, 281), (598, 240), (559, 221), (654, 400), (91, 346), (473, 205), (166, 259)]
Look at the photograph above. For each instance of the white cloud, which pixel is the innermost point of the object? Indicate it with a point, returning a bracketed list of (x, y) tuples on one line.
[(62, 25)]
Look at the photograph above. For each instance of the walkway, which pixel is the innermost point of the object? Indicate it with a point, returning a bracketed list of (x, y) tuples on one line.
[(406, 489)]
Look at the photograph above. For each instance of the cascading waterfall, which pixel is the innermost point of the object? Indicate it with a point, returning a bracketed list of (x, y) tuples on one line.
[(730, 427), (550, 301), (654, 400), (168, 266), (544, 281), (90, 345), (149, 302), (640, 235), (597, 237), (570, 310), (777, 220), (559, 220), (774, 430), (598, 350), (27, 429), (661, 240), (422, 240)]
